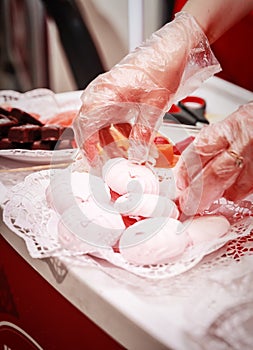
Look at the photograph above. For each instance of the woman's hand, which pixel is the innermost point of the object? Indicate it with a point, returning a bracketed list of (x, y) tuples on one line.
[(171, 64), (219, 163)]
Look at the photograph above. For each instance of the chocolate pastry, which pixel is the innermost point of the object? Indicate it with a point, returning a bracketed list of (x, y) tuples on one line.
[(5, 125), (24, 117), (19, 129), (6, 144), (4, 111), (56, 132), (51, 132), (24, 133), (44, 145), (22, 145)]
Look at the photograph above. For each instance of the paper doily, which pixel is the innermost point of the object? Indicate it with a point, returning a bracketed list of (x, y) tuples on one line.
[(27, 214)]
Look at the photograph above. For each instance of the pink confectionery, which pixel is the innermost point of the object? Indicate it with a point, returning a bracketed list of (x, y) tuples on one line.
[(69, 240), (206, 228), (146, 205), (153, 241), (122, 177), (90, 218), (85, 184), (62, 192), (80, 184), (91, 223), (69, 189)]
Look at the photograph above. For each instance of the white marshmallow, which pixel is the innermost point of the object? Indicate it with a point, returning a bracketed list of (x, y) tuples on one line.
[(146, 205), (123, 177), (93, 224), (68, 188), (153, 241), (206, 228)]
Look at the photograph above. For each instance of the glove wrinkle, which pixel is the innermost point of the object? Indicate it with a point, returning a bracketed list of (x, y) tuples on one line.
[(219, 160)]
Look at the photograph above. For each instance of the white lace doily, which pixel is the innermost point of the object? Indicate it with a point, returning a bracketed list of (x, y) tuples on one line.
[(27, 214)]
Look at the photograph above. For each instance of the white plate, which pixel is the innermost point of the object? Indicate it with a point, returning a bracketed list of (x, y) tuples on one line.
[(40, 156)]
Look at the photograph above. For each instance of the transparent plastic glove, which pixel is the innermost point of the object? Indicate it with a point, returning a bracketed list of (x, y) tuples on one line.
[(219, 163), (171, 64), (3, 192)]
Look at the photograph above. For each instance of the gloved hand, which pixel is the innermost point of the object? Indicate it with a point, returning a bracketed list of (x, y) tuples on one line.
[(218, 163), (170, 65)]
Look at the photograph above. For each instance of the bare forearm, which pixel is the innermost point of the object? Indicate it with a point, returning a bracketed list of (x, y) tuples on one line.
[(215, 17)]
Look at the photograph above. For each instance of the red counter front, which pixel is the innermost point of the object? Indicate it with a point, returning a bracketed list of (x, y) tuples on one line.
[(33, 315)]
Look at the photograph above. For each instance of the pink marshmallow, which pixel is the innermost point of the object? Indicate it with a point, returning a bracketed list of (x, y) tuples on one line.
[(68, 189), (153, 241), (70, 241), (146, 205), (123, 177), (91, 223), (206, 228)]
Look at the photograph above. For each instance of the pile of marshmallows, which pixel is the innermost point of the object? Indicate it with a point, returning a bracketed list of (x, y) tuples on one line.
[(126, 211)]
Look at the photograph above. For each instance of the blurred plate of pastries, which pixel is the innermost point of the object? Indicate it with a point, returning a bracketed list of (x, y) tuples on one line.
[(36, 126)]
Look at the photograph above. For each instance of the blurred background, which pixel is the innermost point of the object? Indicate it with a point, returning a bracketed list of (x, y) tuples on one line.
[(64, 44)]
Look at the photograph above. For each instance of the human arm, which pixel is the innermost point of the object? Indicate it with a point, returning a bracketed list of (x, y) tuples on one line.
[(215, 17)]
